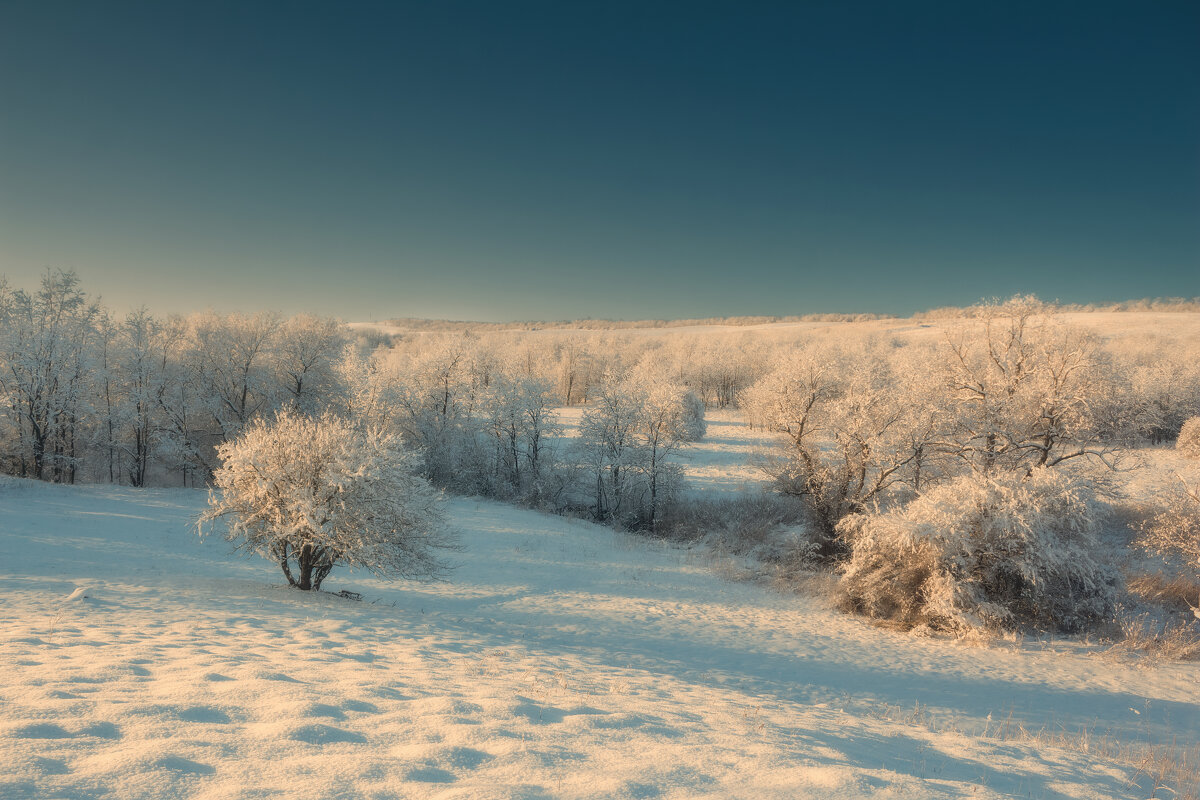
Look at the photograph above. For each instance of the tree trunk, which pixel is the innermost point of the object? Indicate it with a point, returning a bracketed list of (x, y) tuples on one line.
[(306, 567)]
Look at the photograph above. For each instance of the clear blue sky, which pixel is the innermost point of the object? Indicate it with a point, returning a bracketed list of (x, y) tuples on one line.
[(515, 160)]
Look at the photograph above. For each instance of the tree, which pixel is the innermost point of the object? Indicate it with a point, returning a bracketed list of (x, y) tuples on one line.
[(627, 435), (310, 493), (852, 437), (518, 418), (1024, 388), (610, 452), (306, 358), (45, 341)]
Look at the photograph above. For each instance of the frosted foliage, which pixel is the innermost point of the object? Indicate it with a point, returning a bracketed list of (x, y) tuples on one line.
[(1023, 389), (627, 435), (692, 427), (1188, 442), (1174, 529), (854, 433), (311, 493), (982, 553), (518, 420)]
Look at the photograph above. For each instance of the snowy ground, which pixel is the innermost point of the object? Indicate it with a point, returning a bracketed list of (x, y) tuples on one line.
[(562, 660)]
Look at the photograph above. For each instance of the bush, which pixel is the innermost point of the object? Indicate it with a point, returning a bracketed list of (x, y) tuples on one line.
[(1188, 442), (1173, 531), (311, 493), (982, 553)]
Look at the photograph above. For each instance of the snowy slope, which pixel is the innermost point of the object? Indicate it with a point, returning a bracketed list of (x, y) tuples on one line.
[(562, 660)]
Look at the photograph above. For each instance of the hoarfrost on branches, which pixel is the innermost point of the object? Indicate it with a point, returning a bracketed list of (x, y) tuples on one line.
[(310, 493)]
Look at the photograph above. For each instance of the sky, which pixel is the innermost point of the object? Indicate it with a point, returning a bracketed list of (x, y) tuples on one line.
[(555, 160)]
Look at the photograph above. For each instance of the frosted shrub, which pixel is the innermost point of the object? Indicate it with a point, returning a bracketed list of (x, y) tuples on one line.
[(311, 493), (1174, 529), (982, 553), (1188, 442)]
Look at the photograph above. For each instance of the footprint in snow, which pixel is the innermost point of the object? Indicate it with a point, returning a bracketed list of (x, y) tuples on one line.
[(465, 757), (362, 706), (185, 765), (323, 710), (51, 766), (204, 714), (101, 730), (429, 775), (42, 730), (325, 734)]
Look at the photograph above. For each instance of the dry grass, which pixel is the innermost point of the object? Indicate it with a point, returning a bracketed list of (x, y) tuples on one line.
[(1177, 592), (739, 524), (1173, 640), (1169, 771), (1172, 634)]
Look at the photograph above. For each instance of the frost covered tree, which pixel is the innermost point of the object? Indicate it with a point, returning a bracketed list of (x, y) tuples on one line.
[(628, 432), (518, 418), (310, 493), (1022, 387), (435, 393), (306, 360), (142, 378), (231, 356), (669, 416), (610, 450), (45, 351), (851, 436)]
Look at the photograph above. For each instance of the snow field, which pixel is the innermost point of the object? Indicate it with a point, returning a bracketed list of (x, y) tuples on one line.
[(561, 660)]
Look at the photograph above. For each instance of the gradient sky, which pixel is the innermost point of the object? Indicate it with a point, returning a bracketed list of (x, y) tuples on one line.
[(513, 160)]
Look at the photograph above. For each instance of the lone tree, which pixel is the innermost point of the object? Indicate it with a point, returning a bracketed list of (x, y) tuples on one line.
[(310, 493)]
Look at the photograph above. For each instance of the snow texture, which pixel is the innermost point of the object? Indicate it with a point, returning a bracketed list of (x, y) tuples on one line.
[(561, 660)]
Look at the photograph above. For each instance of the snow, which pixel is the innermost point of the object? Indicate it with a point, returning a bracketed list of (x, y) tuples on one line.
[(562, 659)]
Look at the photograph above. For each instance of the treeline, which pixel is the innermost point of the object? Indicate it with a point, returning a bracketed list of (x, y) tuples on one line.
[(439, 325), (1170, 304), (146, 400), (143, 399)]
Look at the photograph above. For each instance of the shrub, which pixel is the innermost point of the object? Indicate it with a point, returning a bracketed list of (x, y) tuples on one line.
[(311, 493), (1173, 531), (1188, 442), (982, 553)]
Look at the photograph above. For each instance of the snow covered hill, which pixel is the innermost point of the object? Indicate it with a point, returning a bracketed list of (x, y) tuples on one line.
[(561, 660)]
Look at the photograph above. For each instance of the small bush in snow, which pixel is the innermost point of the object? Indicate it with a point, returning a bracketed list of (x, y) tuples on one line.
[(982, 553), (311, 493), (1188, 442)]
